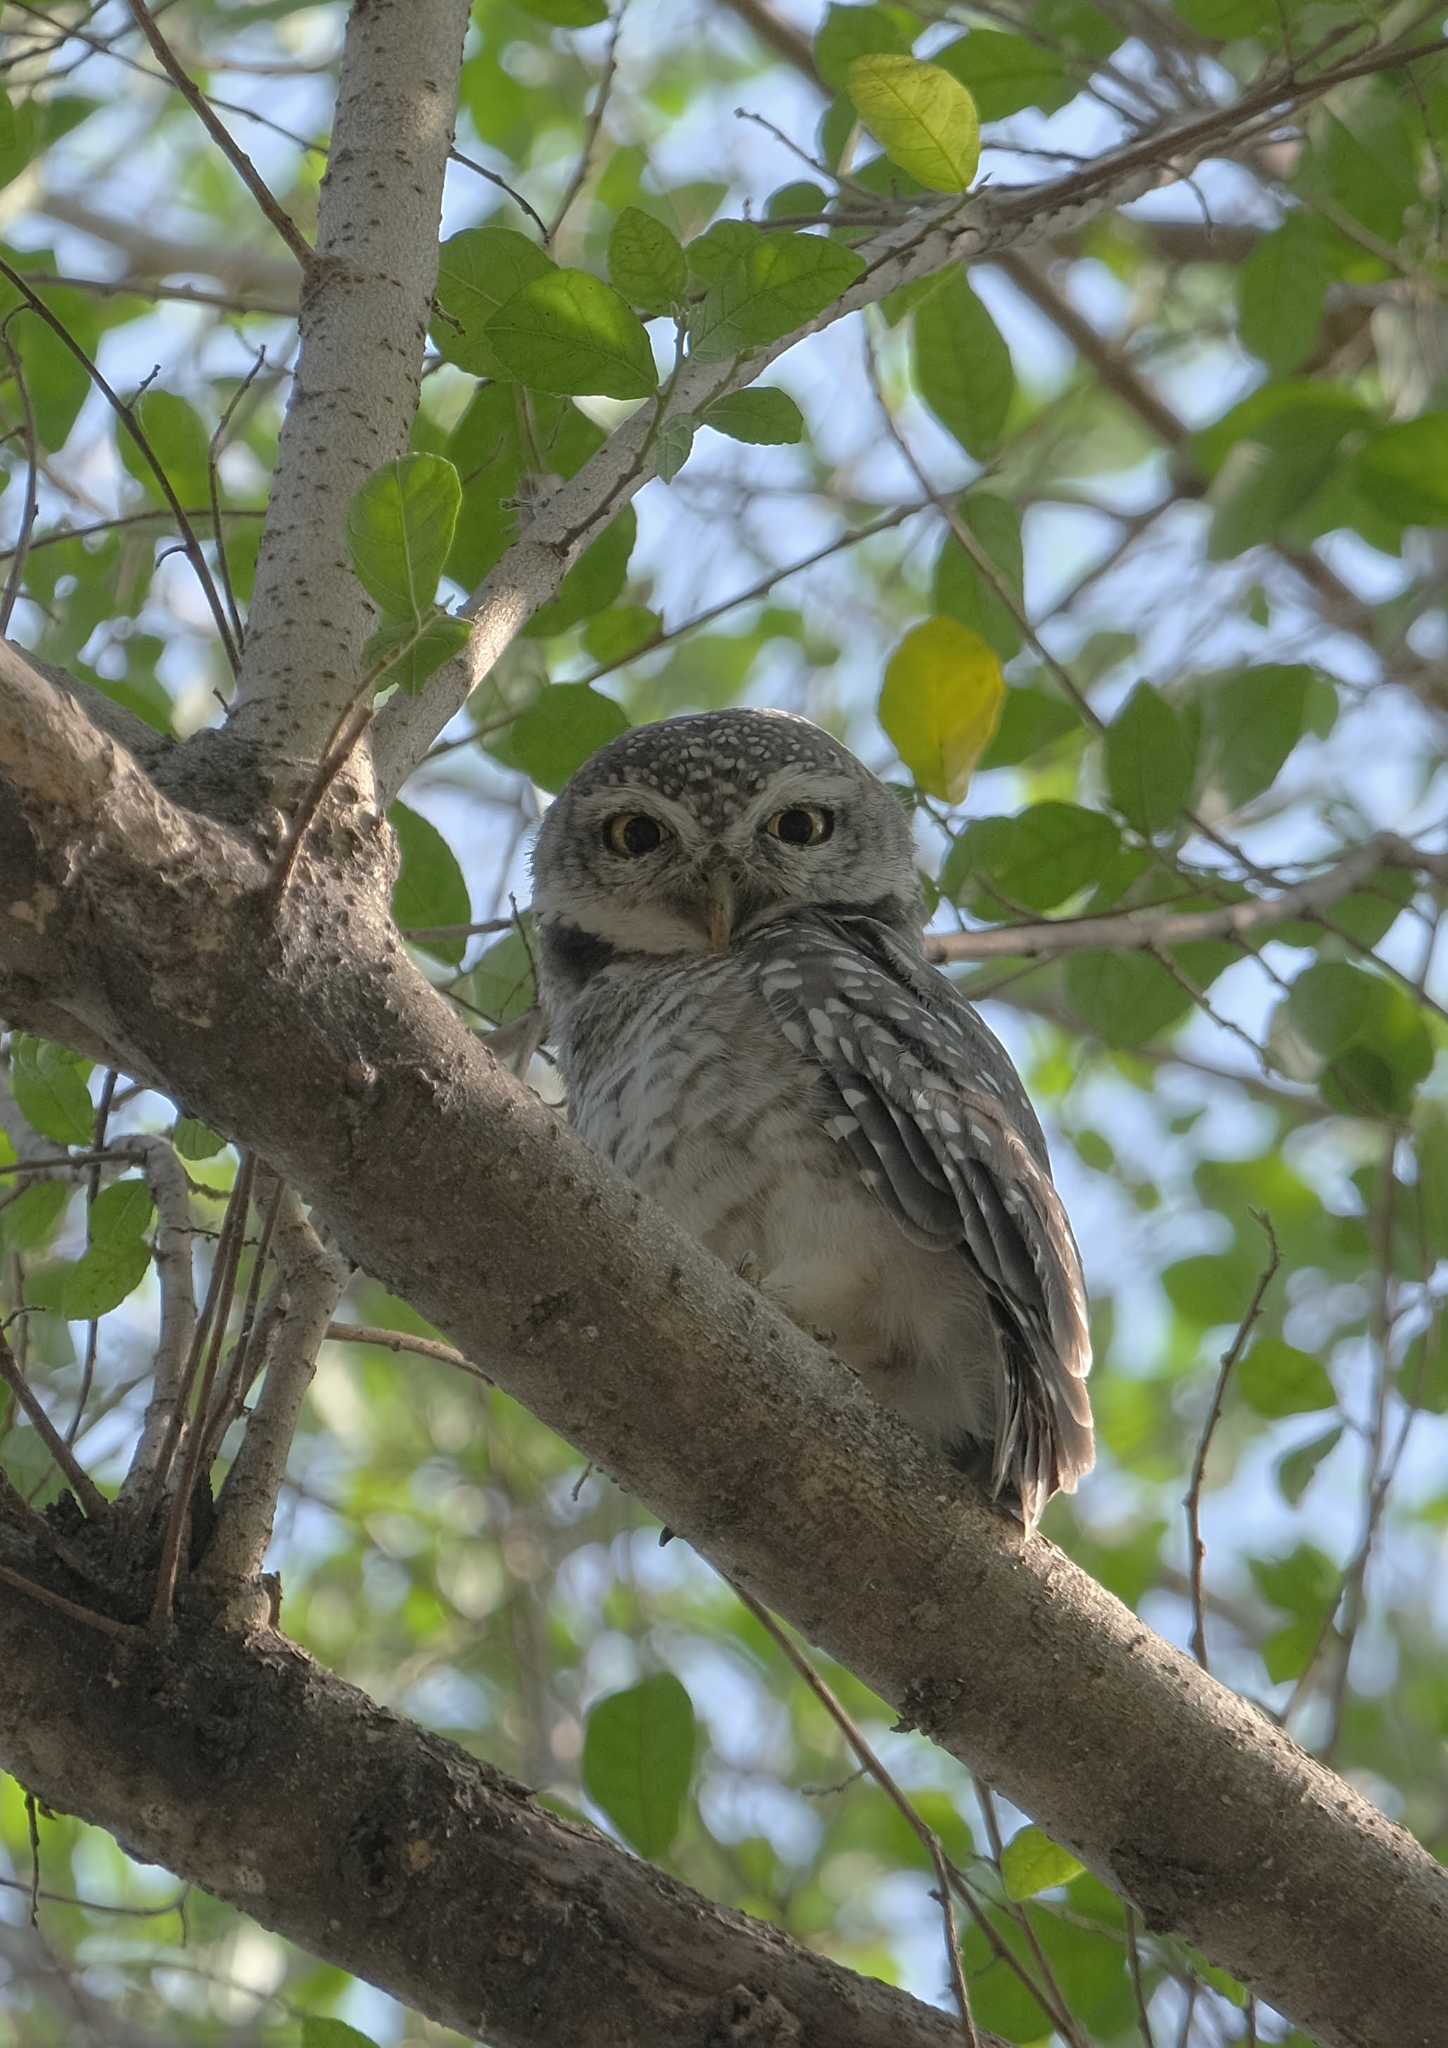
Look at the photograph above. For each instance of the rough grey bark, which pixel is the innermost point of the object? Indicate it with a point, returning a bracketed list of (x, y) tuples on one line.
[(309, 1036), (268, 1780)]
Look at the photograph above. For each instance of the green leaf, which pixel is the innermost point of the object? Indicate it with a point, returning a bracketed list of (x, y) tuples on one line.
[(923, 118), (562, 14), (1276, 1379), (405, 652), (430, 889), (1280, 293), (675, 444), (82, 1289), (1404, 469), (49, 1085), (1032, 862), (962, 367), (1031, 1862), (19, 136), (764, 415), (961, 588), (800, 198), (712, 255), (595, 579), (121, 1213), (850, 32), (196, 1140), (502, 982), (561, 729), (615, 635), (180, 442), (479, 271), (1370, 1038), (1030, 719), (767, 288), (114, 1262), (1124, 998), (572, 334), (638, 1758), (645, 262), (400, 527), (1254, 719), (940, 702), (1296, 1471), (1149, 761), (29, 1221), (319, 2032), (1005, 73)]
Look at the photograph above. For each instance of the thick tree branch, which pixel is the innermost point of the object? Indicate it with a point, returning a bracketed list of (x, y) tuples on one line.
[(254, 1772), (363, 324), (973, 229), (316, 1043)]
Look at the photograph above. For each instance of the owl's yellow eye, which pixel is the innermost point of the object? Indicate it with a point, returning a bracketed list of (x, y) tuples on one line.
[(633, 833), (801, 825)]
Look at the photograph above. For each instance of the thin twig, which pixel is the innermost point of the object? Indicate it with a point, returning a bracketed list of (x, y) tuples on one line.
[(166, 1178), (225, 141), (31, 507), (92, 1500), (179, 1519), (926, 1835), (1196, 1549), (88, 1616), (456, 156), (213, 490), (311, 1279), (591, 129), (403, 1340)]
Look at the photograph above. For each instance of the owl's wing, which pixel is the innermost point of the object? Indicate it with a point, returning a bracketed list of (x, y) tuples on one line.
[(930, 1108)]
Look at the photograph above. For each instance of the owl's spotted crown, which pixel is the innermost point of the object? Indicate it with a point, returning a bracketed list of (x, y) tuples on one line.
[(713, 760)]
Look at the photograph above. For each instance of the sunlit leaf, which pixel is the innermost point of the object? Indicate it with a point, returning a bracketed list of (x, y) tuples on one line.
[(570, 333), (400, 527), (180, 441), (923, 118), (940, 702), (1033, 1863), (645, 262), (479, 271), (766, 288), (196, 1140), (638, 1758)]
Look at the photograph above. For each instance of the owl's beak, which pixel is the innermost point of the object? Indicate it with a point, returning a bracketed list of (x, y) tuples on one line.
[(720, 907)]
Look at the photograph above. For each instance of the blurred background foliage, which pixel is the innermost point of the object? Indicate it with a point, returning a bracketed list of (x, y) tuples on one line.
[(1200, 444)]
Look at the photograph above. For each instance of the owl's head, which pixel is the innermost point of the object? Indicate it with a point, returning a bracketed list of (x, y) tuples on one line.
[(684, 836)]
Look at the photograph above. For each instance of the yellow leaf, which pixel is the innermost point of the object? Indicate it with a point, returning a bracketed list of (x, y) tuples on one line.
[(923, 119), (941, 701)]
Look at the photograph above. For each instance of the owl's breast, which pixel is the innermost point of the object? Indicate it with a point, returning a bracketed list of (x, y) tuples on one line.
[(680, 1077)]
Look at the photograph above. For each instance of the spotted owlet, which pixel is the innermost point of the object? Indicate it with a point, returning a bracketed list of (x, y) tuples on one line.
[(730, 954)]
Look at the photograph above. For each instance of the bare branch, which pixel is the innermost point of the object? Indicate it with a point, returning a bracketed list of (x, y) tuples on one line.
[(313, 1277), (166, 1178), (87, 1493), (1148, 929), (1196, 1549)]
